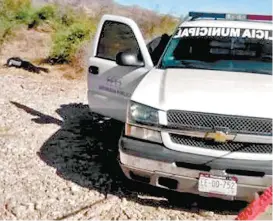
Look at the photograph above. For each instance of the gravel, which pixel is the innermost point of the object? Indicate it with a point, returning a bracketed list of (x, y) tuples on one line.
[(59, 162)]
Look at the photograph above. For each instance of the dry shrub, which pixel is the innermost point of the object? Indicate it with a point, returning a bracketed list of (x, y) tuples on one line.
[(165, 24), (72, 30), (5, 31), (79, 64)]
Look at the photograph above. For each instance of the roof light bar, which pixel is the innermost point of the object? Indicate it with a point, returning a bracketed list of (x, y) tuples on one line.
[(260, 17), (231, 16), (206, 15)]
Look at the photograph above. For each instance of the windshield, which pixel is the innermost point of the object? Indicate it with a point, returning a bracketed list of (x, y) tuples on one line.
[(223, 49)]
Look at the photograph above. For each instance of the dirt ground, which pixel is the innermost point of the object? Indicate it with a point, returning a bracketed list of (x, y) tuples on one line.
[(58, 160)]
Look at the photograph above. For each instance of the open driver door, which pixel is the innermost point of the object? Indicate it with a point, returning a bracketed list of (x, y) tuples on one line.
[(119, 61)]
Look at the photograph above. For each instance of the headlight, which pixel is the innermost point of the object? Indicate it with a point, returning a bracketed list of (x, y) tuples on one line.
[(143, 122), (143, 133), (142, 114)]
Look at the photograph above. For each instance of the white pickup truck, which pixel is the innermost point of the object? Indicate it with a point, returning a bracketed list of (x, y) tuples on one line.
[(199, 118)]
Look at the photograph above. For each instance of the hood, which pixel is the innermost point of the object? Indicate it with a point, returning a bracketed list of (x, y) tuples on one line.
[(233, 93)]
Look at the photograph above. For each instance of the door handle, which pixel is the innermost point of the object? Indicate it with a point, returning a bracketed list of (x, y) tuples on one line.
[(93, 70)]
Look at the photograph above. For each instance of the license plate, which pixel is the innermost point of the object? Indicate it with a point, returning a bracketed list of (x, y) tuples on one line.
[(217, 185)]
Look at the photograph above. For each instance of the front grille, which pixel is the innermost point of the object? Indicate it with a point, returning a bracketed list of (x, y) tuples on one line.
[(207, 121), (229, 146)]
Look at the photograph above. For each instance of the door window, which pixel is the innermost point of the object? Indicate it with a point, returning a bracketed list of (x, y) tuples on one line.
[(116, 37)]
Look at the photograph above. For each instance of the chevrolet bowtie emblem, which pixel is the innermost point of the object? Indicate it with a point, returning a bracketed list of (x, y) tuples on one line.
[(219, 136)]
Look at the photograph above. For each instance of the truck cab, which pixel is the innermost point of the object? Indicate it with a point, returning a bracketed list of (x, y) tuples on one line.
[(199, 119)]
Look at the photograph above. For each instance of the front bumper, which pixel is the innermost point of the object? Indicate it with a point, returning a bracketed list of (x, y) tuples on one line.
[(158, 166)]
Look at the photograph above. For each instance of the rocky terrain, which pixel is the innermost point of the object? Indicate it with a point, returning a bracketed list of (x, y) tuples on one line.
[(58, 160)]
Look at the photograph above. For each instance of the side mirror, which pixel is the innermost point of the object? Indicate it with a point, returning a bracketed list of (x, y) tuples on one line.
[(129, 59)]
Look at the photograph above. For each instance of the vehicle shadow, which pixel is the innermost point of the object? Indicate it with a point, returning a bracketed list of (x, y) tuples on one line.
[(84, 150)]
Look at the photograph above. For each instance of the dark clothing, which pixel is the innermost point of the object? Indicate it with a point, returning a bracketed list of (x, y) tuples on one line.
[(157, 46)]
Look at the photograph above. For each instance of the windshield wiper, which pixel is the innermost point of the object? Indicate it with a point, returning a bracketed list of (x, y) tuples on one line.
[(188, 64), (184, 66), (195, 64), (259, 72)]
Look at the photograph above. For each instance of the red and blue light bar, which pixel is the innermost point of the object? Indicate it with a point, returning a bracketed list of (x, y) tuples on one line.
[(231, 16)]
